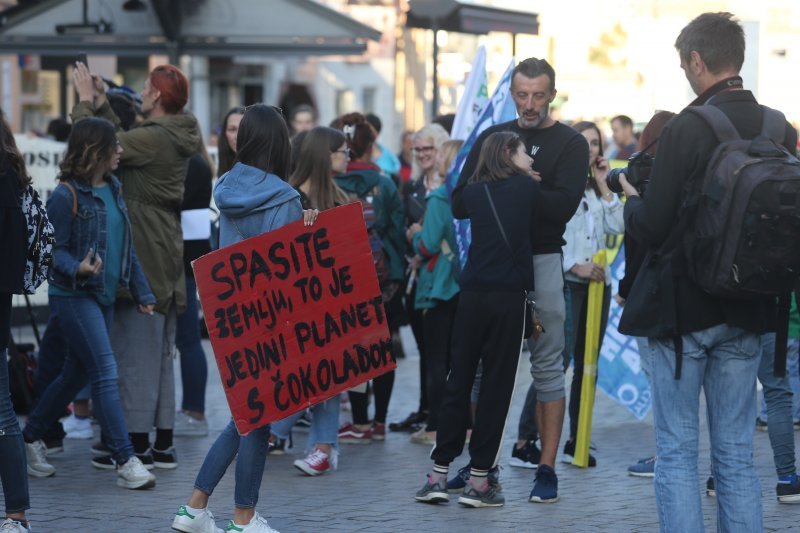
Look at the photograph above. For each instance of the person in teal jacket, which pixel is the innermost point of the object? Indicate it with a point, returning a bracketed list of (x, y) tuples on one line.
[(437, 289), (363, 180)]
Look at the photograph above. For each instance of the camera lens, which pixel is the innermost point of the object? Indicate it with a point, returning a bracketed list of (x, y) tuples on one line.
[(612, 180)]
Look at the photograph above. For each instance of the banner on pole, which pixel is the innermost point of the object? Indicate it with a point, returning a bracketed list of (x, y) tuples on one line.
[(295, 316)]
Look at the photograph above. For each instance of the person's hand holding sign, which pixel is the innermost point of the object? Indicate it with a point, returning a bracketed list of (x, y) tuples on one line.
[(310, 216)]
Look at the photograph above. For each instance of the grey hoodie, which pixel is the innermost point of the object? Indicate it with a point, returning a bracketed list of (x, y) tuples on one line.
[(252, 202)]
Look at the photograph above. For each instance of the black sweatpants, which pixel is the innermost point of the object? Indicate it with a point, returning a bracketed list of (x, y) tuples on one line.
[(488, 324), (579, 293), (438, 323), (415, 321), (359, 401)]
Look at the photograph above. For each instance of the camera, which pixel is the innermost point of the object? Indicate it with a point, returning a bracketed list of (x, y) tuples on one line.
[(637, 173)]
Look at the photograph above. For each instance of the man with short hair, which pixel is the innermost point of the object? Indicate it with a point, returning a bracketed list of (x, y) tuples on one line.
[(624, 139), (561, 159), (716, 341)]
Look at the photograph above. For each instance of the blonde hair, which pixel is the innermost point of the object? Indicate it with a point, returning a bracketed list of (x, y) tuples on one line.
[(437, 135), (449, 152)]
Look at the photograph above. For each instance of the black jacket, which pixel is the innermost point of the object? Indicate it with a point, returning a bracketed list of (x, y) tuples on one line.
[(196, 195), (13, 232), (561, 155), (684, 150)]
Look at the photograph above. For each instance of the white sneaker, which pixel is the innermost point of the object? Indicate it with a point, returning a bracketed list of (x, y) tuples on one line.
[(37, 462), (133, 475), (257, 525), (10, 525), (202, 522), (187, 426), (78, 428)]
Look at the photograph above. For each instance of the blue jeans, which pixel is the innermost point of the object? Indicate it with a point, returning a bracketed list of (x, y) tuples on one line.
[(723, 361), (324, 424), (778, 397), (793, 373), (85, 324), (13, 464), (252, 452), (194, 369)]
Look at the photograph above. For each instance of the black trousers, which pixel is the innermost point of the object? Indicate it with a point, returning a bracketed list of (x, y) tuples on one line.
[(487, 324), (579, 293), (415, 321), (438, 323)]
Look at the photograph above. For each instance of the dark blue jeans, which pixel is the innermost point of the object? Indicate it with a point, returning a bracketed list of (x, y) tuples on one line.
[(85, 325), (194, 369)]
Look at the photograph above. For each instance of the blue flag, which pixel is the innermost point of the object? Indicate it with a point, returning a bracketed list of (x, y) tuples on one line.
[(500, 108)]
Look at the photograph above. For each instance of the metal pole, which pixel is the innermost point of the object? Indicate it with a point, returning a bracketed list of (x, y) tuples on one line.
[(514, 46), (435, 100)]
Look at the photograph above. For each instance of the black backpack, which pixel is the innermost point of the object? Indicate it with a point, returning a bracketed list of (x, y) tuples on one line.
[(743, 241)]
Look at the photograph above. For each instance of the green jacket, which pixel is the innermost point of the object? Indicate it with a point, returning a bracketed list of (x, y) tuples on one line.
[(438, 275), (389, 213), (794, 320), (152, 169)]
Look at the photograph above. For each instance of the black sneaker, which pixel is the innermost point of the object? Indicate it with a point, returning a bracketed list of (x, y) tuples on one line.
[(54, 446), (789, 492), (489, 497), (166, 459), (526, 457), (99, 448), (710, 491), (410, 423), (278, 446), (106, 462), (569, 454), (458, 483)]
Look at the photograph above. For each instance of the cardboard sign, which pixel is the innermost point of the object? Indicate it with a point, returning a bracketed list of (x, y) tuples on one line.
[(295, 316)]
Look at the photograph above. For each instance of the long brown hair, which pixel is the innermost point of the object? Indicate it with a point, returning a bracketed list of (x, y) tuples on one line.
[(226, 156), (495, 162), (9, 152), (91, 145), (314, 166), (580, 127)]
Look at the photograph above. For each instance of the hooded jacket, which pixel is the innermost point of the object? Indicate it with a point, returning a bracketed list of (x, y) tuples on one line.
[(252, 202), (438, 275), (152, 169), (367, 183)]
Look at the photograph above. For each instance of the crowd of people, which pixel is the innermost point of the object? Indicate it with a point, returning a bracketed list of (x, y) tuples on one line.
[(131, 212)]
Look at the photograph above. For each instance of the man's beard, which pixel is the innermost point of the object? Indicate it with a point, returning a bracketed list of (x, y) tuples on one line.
[(536, 122)]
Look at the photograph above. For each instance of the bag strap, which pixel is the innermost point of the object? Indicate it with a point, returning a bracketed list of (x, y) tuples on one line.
[(69, 186), (774, 125), (723, 128), (499, 224)]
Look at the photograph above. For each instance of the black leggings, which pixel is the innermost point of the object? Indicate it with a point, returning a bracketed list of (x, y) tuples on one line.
[(359, 401)]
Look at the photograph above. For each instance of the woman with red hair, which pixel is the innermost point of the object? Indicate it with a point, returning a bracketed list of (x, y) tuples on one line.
[(152, 169)]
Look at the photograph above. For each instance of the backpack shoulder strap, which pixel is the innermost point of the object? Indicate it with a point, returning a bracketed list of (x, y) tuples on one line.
[(774, 125), (71, 189), (719, 122)]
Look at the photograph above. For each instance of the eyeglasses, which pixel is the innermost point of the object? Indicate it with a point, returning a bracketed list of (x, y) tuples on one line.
[(345, 151), (423, 149)]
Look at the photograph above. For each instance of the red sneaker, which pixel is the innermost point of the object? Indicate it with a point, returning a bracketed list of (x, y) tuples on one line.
[(316, 463), (348, 434), (378, 431)]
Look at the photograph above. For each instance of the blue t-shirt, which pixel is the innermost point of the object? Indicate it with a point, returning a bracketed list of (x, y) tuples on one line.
[(112, 262)]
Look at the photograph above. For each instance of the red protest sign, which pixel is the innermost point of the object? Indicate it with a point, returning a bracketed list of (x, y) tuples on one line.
[(295, 316)]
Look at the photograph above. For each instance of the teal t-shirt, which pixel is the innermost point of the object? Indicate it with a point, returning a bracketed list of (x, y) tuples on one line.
[(112, 262)]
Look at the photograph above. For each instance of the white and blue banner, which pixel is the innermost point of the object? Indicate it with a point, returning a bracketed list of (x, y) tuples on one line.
[(619, 372), (476, 96), (500, 108)]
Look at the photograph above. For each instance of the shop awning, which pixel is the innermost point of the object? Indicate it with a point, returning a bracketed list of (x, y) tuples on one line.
[(197, 27), (469, 17)]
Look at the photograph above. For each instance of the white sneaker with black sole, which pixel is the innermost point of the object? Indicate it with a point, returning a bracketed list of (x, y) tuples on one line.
[(106, 462), (133, 475), (37, 462)]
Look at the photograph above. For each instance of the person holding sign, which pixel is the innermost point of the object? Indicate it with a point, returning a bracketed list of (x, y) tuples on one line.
[(499, 199), (253, 199), (599, 214), (94, 256), (381, 201), (322, 154)]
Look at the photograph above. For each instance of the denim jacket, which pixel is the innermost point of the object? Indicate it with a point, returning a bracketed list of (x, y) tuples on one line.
[(87, 229)]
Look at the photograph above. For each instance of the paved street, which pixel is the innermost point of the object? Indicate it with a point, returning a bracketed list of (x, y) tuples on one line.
[(374, 486)]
